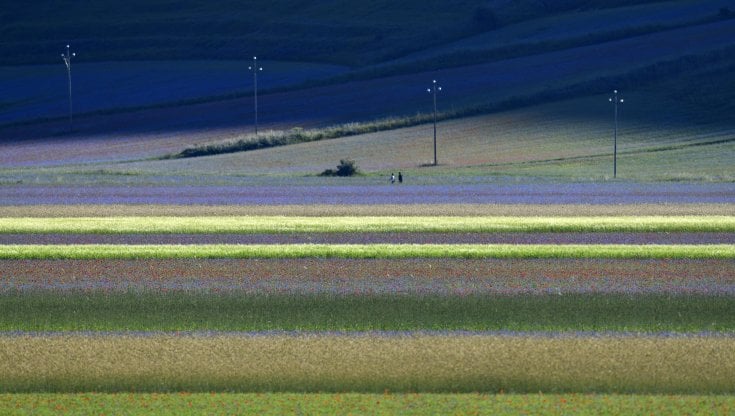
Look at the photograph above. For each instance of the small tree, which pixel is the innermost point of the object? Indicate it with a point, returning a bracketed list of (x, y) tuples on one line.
[(346, 167)]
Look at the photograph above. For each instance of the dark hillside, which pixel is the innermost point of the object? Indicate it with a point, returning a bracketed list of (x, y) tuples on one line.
[(334, 31), (320, 31)]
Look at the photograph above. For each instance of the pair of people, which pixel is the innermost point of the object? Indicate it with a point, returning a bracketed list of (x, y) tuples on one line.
[(393, 178)]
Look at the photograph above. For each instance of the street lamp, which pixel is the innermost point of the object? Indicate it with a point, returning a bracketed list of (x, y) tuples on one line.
[(67, 60), (434, 88), (255, 68), (615, 100)]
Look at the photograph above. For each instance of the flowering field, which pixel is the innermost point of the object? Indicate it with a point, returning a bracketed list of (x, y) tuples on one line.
[(362, 224), (370, 190), (311, 276), (227, 309)]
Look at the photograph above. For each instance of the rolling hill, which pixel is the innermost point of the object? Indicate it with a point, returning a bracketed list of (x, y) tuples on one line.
[(524, 87)]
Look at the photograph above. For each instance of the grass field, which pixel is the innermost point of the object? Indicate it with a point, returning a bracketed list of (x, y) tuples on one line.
[(386, 403), (194, 309)]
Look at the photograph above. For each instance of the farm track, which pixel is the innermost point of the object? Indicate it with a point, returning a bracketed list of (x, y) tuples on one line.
[(379, 238)]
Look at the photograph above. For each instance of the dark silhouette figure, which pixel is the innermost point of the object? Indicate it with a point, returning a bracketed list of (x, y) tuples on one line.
[(400, 177)]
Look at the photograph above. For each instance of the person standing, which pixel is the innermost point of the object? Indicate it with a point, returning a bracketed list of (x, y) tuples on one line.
[(400, 177), (392, 178)]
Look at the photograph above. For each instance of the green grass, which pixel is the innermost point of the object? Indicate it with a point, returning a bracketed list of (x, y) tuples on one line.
[(356, 224), (366, 251), (354, 403), (181, 311)]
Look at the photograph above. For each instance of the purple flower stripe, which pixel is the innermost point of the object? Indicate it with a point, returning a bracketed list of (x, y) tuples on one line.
[(366, 193)]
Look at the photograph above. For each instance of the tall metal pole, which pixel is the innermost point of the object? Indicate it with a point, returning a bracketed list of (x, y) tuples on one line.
[(255, 68), (67, 60), (615, 100), (433, 90)]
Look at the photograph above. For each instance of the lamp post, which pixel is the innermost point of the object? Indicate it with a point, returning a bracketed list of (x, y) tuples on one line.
[(615, 100), (255, 68), (67, 60), (434, 88)]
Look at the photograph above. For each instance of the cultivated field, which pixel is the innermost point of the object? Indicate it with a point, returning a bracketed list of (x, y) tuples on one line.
[(409, 318), (117, 85), (516, 276)]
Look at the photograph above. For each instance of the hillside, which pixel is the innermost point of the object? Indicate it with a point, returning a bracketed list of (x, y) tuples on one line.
[(352, 33), (569, 140), (293, 30), (538, 72), (110, 73), (664, 134)]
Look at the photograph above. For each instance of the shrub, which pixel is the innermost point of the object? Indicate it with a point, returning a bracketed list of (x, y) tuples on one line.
[(346, 167)]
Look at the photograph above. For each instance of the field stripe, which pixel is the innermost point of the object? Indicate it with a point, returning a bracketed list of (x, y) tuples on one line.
[(341, 224), (420, 363), (97, 309), (385, 403), (367, 251), (390, 210), (373, 276)]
